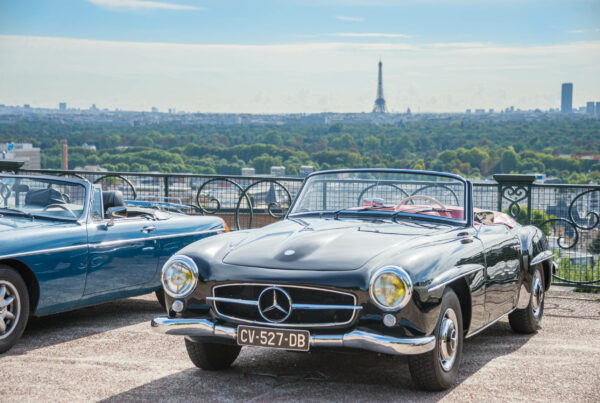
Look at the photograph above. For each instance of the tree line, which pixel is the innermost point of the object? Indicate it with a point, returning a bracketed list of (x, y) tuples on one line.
[(467, 147)]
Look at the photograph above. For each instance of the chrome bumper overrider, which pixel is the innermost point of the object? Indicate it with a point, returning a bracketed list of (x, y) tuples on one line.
[(355, 339)]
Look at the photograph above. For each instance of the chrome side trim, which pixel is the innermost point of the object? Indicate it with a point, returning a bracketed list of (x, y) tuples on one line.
[(541, 257), (215, 299), (103, 244), (150, 238), (45, 251), (356, 339), (481, 329), (435, 287), (294, 306)]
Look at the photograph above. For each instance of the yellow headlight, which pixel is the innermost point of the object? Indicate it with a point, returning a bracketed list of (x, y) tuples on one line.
[(179, 276), (391, 288)]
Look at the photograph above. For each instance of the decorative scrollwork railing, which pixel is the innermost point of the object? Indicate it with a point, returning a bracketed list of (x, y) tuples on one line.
[(569, 215)]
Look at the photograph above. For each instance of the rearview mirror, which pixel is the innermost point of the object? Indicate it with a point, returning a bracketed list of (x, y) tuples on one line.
[(485, 217), (114, 212)]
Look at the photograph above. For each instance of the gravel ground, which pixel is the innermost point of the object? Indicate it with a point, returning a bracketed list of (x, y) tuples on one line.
[(109, 353)]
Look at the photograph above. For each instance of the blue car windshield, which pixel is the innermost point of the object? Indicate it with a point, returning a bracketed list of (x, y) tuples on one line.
[(40, 197), (398, 193)]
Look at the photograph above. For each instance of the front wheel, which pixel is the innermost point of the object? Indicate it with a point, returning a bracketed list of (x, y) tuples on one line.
[(14, 307), (528, 320), (211, 356), (160, 296), (438, 369)]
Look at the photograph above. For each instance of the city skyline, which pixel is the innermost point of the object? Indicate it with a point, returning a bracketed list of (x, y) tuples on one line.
[(298, 57)]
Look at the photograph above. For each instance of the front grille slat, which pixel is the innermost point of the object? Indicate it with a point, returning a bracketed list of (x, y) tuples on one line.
[(311, 306)]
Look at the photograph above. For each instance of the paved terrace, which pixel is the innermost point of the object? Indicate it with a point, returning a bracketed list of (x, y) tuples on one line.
[(108, 352)]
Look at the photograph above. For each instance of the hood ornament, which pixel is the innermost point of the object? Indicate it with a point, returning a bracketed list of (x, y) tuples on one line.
[(289, 252)]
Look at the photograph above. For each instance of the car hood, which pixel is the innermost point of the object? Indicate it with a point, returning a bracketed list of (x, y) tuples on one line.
[(328, 244)]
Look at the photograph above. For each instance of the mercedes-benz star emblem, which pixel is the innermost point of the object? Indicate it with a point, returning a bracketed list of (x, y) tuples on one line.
[(274, 304)]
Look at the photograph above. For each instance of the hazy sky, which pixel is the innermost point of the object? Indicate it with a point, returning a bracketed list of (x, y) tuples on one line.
[(298, 55)]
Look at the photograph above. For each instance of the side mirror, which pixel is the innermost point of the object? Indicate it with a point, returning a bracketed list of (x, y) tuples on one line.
[(114, 212), (485, 217)]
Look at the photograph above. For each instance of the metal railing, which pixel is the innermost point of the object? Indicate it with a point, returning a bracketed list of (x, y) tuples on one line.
[(567, 214)]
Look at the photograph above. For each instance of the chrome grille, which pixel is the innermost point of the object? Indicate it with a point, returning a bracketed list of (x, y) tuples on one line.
[(311, 306)]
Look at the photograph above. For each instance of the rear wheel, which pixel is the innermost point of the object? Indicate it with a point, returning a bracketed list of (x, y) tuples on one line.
[(438, 369), (14, 307), (211, 356), (528, 320)]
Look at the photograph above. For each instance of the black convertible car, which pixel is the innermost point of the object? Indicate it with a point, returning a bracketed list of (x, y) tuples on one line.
[(390, 261)]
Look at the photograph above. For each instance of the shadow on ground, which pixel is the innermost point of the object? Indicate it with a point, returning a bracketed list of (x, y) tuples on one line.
[(68, 326), (268, 375)]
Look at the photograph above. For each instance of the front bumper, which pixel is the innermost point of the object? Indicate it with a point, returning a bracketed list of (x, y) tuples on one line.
[(356, 339)]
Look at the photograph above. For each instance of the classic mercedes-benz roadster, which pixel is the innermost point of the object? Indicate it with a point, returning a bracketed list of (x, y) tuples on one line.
[(65, 244), (390, 261)]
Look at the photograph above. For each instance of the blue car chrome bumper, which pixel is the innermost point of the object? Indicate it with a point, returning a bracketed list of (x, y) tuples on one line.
[(356, 339)]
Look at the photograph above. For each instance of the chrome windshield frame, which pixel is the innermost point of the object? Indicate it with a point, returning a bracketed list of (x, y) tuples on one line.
[(467, 202), (83, 218)]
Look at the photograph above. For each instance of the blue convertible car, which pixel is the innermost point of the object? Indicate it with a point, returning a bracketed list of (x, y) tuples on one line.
[(65, 244)]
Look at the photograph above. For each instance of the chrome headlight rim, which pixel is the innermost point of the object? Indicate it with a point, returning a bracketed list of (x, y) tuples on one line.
[(404, 278), (191, 265)]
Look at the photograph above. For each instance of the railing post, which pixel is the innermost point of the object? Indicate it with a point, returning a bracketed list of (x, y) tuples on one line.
[(514, 189), (166, 182)]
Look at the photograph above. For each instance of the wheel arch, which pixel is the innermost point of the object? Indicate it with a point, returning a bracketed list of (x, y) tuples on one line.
[(33, 286), (463, 292)]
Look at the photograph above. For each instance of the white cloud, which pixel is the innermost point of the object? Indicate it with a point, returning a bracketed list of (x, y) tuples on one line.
[(141, 4), (347, 18), (309, 76), (369, 35), (583, 31)]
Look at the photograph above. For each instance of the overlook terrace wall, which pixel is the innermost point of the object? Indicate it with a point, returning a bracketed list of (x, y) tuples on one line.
[(568, 214)]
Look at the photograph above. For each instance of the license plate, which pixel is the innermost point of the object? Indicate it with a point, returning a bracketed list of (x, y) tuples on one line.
[(274, 338)]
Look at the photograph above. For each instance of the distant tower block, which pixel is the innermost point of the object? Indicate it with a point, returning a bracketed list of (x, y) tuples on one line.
[(380, 106)]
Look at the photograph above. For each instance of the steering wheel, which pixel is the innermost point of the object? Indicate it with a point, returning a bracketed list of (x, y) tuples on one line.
[(410, 198), (61, 206)]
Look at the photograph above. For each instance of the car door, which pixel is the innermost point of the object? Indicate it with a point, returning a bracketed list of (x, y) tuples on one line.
[(121, 255), (502, 251)]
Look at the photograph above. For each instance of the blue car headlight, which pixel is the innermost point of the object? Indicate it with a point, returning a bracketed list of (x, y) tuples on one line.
[(391, 288), (179, 276)]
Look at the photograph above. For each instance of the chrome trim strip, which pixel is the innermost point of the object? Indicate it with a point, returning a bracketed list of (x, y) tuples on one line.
[(150, 238), (44, 251), (213, 298), (325, 307), (102, 244), (356, 339), (233, 300), (481, 329), (435, 287), (294, 306), (541, 257)]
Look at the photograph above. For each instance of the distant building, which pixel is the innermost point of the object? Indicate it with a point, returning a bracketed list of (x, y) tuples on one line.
[(248, 171), (25, 152), (89, 146), (278, 171), (566, 104), (598, 109), (27, 106), (62, 106), (589, 108), (479, 111), (305, 170), (154, 109)]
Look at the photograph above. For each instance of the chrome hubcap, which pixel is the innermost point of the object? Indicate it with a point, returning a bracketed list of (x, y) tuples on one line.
[(9, 308), (448, 339), (537, 294)]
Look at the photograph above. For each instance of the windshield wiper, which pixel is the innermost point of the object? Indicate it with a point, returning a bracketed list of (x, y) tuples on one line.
[(366, 208), (10, 210)]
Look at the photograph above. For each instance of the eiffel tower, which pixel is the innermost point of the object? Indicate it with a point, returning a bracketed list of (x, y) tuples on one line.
[(379, 106)]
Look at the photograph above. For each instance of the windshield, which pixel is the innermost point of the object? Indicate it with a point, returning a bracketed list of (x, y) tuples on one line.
[(395, 193), (49, 198)]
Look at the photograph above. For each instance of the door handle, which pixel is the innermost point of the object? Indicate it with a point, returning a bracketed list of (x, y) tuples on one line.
[(147, 229)]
